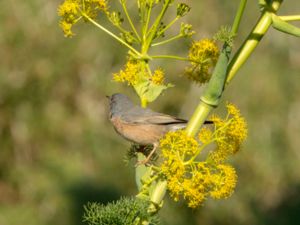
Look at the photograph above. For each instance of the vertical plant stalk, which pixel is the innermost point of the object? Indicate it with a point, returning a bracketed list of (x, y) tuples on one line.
[(154, 27), (146, 25), (213, 92)]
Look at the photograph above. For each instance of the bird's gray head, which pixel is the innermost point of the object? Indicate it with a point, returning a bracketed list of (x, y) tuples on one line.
[(119, 104)]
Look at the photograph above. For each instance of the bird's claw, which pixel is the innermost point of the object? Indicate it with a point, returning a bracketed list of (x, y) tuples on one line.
[(145, 162)]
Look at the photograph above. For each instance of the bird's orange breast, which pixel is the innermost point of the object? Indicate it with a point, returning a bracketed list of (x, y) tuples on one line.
[(139, 133)]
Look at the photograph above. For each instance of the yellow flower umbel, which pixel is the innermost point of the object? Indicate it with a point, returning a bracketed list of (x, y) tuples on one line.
[(195, 180), (130, 74), (203, 56), (158, 77), (229, 134), (71, 11)]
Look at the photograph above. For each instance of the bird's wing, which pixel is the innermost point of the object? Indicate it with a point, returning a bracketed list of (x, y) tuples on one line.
[(147, 116), (163, 119)]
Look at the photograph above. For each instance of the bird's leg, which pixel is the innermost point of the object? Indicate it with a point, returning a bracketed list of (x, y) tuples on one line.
[(149, 156)]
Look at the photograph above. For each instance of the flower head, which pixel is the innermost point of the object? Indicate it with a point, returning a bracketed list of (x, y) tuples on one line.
[(130, 74), (224, 181), (158, 76), (229, 133), (71, 11), (203, 56), (195, 180), (66, 27)]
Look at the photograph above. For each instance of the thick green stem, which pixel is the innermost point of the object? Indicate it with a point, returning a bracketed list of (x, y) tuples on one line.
[(198, 118), (252, 40), (213, 92)]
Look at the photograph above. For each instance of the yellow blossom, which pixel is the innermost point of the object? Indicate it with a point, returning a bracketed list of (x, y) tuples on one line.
[(71, 11), (229, 134), (173, 167), (66, 27), (194, 180), (224, 181), (205, 135), (179, 143), (175, 188), (203, 56), (158, 77), (193, 193), (130, 74)]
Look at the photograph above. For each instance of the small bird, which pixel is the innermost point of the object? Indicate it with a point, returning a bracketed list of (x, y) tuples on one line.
[(141, 125)]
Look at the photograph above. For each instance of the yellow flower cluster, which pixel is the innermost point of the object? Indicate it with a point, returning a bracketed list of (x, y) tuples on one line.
[(225, 183), (71, 11), (158, 76), (130, 74), (195, 180), (203, 56), (135, 72), (229, 134)]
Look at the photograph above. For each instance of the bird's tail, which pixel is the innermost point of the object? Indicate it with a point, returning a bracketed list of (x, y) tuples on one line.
[(179, 126)]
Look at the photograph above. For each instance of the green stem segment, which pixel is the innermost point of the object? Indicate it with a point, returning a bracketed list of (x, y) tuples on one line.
[(167, 41), (198, 118), (290, 18), (155, 26), (129, 20), (215, 87), (238, 17), (170, 57), (112, 34)]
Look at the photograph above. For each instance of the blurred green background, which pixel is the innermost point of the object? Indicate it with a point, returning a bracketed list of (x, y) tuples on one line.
[(58, 149)]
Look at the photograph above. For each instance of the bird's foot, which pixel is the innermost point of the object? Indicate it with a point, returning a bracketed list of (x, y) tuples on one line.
[(144, 162), (147, 161)]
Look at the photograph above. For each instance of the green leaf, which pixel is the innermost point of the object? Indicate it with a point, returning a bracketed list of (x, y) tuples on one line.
[(148, 91), (141, 88), (154, 91)]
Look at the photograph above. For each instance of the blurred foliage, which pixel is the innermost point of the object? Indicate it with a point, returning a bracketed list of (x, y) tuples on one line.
[(58, 150)]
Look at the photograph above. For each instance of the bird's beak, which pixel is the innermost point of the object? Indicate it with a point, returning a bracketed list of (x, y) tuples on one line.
[(107, 96)]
